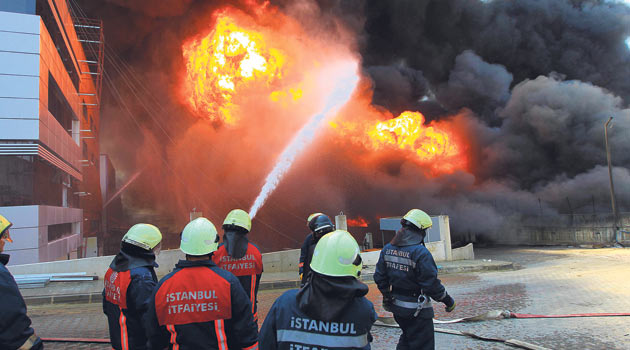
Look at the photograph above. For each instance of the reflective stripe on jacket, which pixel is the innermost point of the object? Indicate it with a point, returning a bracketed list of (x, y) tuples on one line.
[(247, 269), (200, 306), (286, 327), (408, 270), (125, 301)]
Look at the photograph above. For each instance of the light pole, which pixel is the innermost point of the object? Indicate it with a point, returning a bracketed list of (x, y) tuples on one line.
[(612, 186)]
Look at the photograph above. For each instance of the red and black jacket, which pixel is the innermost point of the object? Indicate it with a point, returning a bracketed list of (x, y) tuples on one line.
[(200, 306), (247, 269), (129, 283)]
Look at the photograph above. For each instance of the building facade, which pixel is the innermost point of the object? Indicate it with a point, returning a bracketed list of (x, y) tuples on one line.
[(50, 69)]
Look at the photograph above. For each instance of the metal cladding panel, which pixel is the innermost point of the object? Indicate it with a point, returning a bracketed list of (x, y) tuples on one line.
[(23, 238), (19, 6), (21, 216), (19, 42), (19, 63), (393, 224), (49, 215), (19, 129), (19, 22), (18, 108), (18, 86), (27, 256)]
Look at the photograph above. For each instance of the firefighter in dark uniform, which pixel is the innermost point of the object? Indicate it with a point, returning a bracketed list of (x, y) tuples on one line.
[(319, 224), (129, 283), (15, 325), (330, 311), (239, 256), (200, 306), (406, 275)]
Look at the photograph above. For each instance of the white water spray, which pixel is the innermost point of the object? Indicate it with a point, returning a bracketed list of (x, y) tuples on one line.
[(346, 81)]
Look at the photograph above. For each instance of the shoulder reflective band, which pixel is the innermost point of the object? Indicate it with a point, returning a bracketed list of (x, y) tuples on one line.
[(410, 304), (399, 260), (331, 341)]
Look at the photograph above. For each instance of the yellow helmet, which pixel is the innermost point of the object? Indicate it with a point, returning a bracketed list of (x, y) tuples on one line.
[(337, 254), (4, 227), (199, 237), (145, 236), (419, 219), (240, 218)]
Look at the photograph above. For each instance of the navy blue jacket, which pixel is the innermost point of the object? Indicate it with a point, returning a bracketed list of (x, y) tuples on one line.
[(200, 306), (247, 269), (15, 325), (136, 279), (408, 268), (286, 327), (306, 254)]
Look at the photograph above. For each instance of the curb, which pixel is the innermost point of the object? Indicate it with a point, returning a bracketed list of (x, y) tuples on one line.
[(498, 266), (87, 298)]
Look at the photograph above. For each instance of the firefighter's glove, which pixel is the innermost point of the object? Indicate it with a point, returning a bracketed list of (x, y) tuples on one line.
[(388, 300), (449, 303)]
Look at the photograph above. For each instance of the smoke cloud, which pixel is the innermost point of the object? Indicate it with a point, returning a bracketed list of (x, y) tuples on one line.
[(528, 84)]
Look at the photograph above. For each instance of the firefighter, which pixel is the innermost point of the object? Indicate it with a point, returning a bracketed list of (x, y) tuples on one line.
[(15, 325), (129, 283), (199, 305), (330, 311), (239, 256), (406, 275), (319, 224)]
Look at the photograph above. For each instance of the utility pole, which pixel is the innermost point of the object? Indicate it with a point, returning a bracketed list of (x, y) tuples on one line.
[(612, 186)]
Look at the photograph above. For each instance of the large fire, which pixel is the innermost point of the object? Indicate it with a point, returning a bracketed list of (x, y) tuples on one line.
[(267, 77), (358, 222), (220, 63), (433, 146)]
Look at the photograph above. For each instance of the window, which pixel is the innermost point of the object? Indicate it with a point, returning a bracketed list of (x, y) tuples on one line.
[(16, 180), (59, 106), (58, 231), (44, 10)]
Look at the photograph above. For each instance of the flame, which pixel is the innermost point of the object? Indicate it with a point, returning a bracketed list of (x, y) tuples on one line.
[(358, 222), (433, 145), (222, 63)]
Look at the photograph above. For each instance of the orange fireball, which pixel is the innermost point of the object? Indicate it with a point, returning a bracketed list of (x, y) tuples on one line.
[(433, 146), (358, 222), (220, 63)]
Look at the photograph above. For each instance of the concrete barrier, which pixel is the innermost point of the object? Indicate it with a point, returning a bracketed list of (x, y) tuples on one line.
[(274, 262), (282, 261), (464, 253), (93, 266)]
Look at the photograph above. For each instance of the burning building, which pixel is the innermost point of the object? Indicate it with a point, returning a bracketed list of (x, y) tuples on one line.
[(491, 112)]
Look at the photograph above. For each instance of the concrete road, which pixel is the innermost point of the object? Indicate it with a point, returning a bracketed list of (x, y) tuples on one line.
[(551, 281)]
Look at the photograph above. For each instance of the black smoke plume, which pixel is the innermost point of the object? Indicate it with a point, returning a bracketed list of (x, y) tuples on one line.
[(530, 83)]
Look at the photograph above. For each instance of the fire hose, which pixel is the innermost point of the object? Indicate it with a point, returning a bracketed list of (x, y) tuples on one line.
[(384, 321)]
